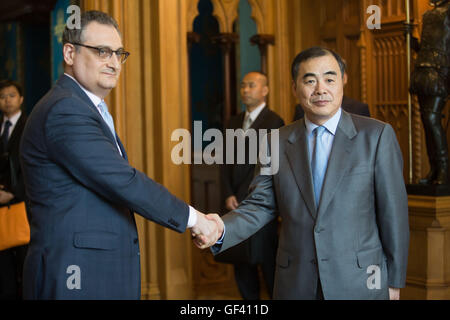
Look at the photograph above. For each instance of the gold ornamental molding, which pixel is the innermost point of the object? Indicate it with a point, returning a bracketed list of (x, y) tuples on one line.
[(226, 12), (258, 14)]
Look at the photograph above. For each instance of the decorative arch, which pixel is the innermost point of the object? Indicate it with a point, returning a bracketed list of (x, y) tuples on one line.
[(258, 14), (226, 12), (191, 14)]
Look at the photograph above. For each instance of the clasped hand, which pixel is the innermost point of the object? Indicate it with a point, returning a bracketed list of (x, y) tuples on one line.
[(207, 230)]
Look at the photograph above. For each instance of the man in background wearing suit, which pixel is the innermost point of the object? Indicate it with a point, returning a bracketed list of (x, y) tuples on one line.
[(340, 194), (82, 192), (348, 104), (12, 189), (260, 249)]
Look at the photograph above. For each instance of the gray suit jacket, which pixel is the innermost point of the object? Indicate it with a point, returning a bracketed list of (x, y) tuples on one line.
[(357, 238)]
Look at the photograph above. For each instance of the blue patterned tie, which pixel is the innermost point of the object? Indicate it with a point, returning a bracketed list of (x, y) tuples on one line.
[(107, 117), (318, 163)]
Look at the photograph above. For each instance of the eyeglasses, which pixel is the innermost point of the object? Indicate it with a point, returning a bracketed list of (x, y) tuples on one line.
[(106, 53)]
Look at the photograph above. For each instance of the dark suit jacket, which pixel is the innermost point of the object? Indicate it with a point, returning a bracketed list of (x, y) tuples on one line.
[(82, 194), (348, 104), (359, 226), (10, 170), (236, 179)]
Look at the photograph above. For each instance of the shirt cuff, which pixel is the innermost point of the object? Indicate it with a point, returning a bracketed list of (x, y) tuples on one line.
[(220, 241), (192, 217)]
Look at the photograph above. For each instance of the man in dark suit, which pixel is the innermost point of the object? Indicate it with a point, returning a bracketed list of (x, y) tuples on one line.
[(260, 249), (12, 188), (82, 192), (339, 191), (348, 104)]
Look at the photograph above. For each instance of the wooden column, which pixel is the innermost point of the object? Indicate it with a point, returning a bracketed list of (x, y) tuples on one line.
[(263, 41), (429, 250), (226, 42)]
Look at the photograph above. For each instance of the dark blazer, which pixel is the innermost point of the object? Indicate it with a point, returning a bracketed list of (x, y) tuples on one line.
[(82, 194), (10, 170), (360, 224), (348, 104), (236, 179)]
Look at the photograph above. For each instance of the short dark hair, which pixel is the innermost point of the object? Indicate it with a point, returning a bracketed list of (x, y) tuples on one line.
[(10, 83), (77, 36), (315, 52)]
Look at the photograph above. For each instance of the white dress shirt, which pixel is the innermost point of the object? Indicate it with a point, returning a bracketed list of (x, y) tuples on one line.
[(13, 121), (255, 113)]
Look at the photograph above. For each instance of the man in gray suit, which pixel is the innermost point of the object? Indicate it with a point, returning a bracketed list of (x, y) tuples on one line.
[(340, 194)]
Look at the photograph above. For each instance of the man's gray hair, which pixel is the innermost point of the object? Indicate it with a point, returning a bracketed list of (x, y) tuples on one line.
[(77, 36)]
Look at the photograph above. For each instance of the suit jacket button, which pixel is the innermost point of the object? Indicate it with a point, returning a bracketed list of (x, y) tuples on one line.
[(135, 240)]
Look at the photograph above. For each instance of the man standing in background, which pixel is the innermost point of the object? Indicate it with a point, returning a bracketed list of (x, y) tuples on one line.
[(12, 189), (260, 249)]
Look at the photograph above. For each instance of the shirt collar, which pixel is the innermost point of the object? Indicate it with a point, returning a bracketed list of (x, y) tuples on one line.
[(95, 99), (255, 113), (13, 119), (330, 125)]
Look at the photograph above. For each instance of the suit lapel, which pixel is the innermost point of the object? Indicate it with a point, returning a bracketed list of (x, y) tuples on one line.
[(122, 148), (339, 163), (17, 130), (260, 119), (297, 154), (66, 82)]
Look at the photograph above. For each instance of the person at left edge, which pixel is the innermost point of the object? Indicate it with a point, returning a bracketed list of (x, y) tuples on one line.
[(12, 188), (81, 189)]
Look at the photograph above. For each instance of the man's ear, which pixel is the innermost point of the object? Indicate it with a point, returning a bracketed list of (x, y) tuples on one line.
[(345, 78), (68, 53), (294, 88), (266, 91)]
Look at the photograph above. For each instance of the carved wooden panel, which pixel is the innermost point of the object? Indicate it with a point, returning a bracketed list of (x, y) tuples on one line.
[(384, 79), (340, 31), (391, 88)]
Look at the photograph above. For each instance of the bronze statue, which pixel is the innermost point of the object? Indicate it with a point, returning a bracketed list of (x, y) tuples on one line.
[(430, 81)]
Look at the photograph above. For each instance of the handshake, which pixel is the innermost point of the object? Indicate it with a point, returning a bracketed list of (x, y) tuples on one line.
[(207, 230)]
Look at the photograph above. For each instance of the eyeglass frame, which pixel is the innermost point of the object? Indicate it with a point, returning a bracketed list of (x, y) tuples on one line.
[(116, 52)]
